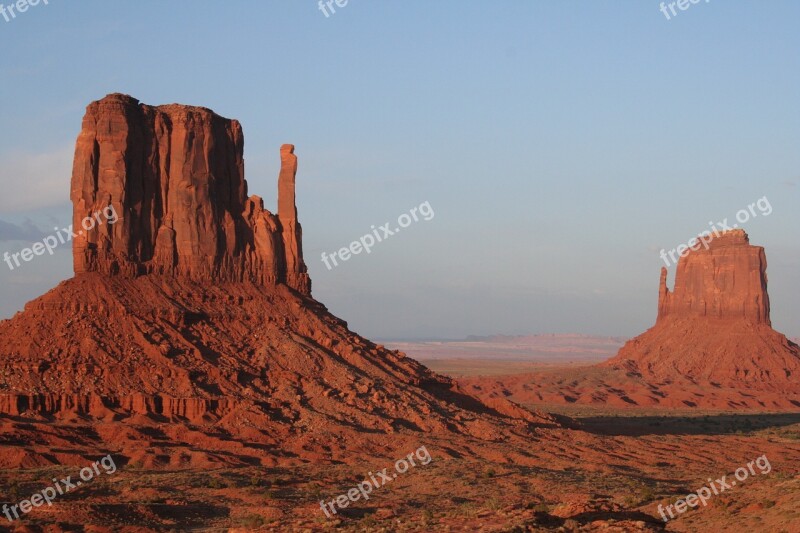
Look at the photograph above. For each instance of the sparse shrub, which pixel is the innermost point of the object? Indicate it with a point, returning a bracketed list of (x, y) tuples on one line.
[(541, 508), (215, 483), (13, 491), (369, 522), (493, 504), (256, 481), (316, 493), (251, 521), (647, 494)]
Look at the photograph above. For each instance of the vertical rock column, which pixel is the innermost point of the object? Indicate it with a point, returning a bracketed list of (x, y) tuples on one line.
[(296, 271), (663, 295)]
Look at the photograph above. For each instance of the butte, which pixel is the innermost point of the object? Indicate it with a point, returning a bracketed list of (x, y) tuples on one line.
[(188, 335)]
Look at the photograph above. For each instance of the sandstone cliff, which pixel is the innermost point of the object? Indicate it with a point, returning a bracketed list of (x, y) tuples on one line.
[(715, 326), (174, 175), (727, 280), (188, 334)]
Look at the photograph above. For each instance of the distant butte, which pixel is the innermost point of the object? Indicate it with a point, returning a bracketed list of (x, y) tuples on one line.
[(715, 325), (712, 346), (726, 281)]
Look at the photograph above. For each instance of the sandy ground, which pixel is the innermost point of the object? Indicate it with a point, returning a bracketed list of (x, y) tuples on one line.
[(609, 467), (608, 473)]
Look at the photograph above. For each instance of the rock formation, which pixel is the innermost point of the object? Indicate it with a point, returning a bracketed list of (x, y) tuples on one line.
[(188, 334), (174, 175), (715, 325), (712, 346), (728, 280), (296, 275)]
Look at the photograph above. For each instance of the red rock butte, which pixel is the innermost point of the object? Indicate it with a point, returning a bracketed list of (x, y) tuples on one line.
[(175, 175), (712, 346), (715, 325), (188, 335), (726, 281)]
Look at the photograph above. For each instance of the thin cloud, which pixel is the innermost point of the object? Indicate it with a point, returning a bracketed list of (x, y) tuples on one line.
[(34, 181), (27, 231)]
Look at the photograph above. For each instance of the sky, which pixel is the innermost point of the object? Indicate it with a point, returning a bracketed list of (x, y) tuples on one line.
[(560, 145)]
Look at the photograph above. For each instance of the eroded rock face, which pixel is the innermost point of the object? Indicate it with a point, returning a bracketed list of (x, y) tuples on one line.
[(296, 275), (182, 314), (727, 280), (173, 175), (714, 328)]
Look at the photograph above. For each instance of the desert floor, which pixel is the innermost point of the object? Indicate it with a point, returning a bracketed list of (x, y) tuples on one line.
[(608, 469), (609, 473)]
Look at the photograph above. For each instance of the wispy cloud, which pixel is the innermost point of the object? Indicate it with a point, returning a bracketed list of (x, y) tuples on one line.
[(33, 181), (27, 231)]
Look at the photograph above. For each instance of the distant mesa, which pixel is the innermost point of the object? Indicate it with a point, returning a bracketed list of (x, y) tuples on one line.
[(727, 281), (715, 325), (712, 346)]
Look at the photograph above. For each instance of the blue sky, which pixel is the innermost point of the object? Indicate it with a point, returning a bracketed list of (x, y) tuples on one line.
[(561, 145)]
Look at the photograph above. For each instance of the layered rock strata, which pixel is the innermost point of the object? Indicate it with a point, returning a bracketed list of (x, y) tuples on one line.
[(162, 190), (727, 280)]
